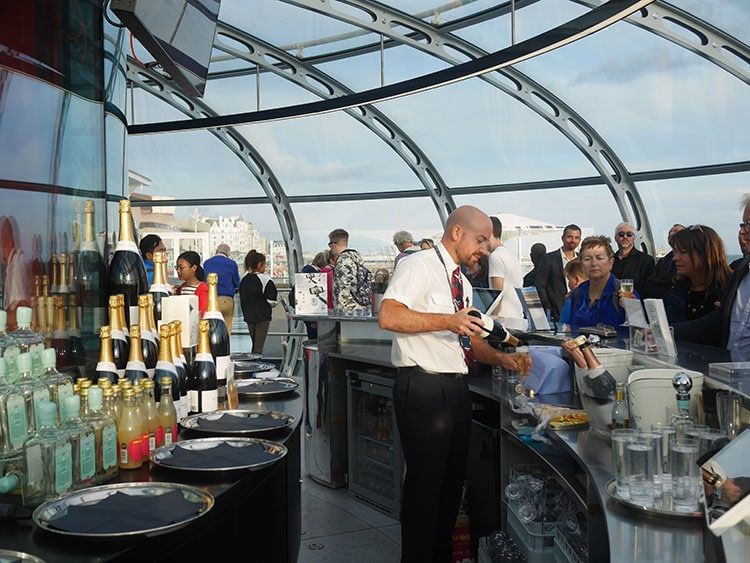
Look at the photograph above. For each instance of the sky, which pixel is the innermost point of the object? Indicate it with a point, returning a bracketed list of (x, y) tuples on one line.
[(657, 105)]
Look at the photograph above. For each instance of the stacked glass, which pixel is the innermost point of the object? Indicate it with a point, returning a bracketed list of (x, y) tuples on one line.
[(525, 496)]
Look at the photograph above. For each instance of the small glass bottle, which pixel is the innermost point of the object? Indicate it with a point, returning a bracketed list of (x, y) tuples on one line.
[(108, 404), (8, 349), (620, 412), (105, 431), (143, 415), (167, 412), (83, 439), (129, 434), (682, 418), (60, 336), (118, 400), (28, 340), (14, 421), (155, 432), (58, 384), (48, 459), (32, 389)]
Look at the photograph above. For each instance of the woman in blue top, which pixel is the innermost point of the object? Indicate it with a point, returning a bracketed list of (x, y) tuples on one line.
[(596, 300)]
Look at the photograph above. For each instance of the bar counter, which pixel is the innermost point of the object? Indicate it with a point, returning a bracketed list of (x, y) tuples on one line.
[(581, 459), (257, 513)]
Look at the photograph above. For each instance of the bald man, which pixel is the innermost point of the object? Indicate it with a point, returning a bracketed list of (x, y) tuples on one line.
[(427, 304)]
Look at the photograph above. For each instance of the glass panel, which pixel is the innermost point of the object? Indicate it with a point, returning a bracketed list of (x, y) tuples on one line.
[(114, 74), (729, 16), (371, 225), (648, 98), (238, 94), (116, 133), (297, 30), (27, 135), (477, 134), (713, 201), (187, 165), (59, 41), (80, 138)]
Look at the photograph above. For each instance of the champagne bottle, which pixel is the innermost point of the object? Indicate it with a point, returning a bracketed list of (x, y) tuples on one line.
[(106, 366), (60, 337), (49, 326), (149, 349), (166, 410), (62, 284), (599, 382), (105, 433), (127, 274), (135, 370), (123, 318), (91, 277), (129, 434), (218, 336), (151, 321), (77, 351), (120, 346), (48, 459), (42, 305), (182, 404), (165, 367), (54, 271), (187, 365), (159, 288), (203, 386)]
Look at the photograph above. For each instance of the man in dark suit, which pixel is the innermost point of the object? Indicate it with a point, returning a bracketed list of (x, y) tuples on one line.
[(728, 326), (550, 280)]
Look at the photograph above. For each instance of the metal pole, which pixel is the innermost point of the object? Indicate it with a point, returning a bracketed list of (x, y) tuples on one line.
[(257, 87), (382, 61), (512, 22)]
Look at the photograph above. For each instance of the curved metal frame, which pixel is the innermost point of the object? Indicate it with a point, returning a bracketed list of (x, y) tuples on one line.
[(710, 42), (162, 88), (408, 30), (281, 63)]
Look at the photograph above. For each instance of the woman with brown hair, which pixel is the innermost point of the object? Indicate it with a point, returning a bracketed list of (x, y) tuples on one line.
[(258, 296), (701, 272)]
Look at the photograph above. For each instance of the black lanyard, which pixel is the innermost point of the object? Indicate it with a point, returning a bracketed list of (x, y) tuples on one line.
[(456, 301)]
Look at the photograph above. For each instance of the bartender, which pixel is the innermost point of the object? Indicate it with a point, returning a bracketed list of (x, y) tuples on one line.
[(427, 305)]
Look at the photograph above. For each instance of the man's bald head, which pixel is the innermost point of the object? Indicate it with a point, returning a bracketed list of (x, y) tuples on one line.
[(467, 234)]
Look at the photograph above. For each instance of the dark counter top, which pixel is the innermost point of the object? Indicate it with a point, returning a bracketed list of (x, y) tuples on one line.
[(335, 318)]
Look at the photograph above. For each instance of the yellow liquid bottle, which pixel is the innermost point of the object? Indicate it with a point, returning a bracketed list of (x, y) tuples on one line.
[(143, 415), (167, 412), (129, 434), (152, 417)]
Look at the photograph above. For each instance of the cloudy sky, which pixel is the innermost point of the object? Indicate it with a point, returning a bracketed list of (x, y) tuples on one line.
[(657, 105)]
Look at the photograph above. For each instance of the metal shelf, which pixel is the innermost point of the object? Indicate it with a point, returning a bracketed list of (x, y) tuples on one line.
[(376, 462), (369, 438)]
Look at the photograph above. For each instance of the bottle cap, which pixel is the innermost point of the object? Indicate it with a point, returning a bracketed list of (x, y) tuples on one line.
[(113, 300), (49, 357), (148, 384), (95, 398), (3, 367), (88, 206), (107, 392), (71, 406), (47, 411), (103, 382), (125, 205), (85, 384), (105, 331), (115, 389), (23, 316), (128, 393), (23, 362), (3, 320), (166, 380)]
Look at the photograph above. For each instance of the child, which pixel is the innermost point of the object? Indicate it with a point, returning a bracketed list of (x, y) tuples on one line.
[(574, 275)]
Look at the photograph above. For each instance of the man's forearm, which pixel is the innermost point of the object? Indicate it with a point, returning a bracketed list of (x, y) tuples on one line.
[(397, 317), (483, 352)]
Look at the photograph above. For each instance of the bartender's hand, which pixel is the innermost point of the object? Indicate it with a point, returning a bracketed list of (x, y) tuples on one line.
[(574, 352), (508, 361), (463, 324)]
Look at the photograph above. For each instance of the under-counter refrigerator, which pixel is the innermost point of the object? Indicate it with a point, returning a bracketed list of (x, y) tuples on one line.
[(376, 463), (324, 424)]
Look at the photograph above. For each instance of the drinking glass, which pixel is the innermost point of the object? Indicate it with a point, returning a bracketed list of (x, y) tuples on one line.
[(620, 438), (686, 483), (667, 436), (627, 286), (640, 468), (654, 440), (708, 438), (524, 361)]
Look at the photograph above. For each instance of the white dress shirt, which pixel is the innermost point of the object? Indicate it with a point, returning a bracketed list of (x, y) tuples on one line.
[(503, 264), (422, 284)]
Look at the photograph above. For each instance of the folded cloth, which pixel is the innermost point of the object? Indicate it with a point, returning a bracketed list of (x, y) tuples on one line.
[(233, 423), (549, 373), (120, 513), (223, 456)]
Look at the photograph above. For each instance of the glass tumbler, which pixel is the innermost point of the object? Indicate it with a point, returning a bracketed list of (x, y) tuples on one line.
[(686, 484), (640, 469), (708, 438), (654, 439), (620, 438)]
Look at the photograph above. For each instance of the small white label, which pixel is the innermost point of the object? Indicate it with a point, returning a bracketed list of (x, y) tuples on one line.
[(210, 400), (222, 367), (34, 463), (193, 400)]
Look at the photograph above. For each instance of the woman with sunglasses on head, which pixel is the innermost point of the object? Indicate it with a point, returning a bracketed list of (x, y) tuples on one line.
[(190, 271), (629, 262), (597, 299), (701, 273)]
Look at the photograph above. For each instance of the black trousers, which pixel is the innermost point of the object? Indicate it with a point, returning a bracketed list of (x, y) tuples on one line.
[(433, 414)]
